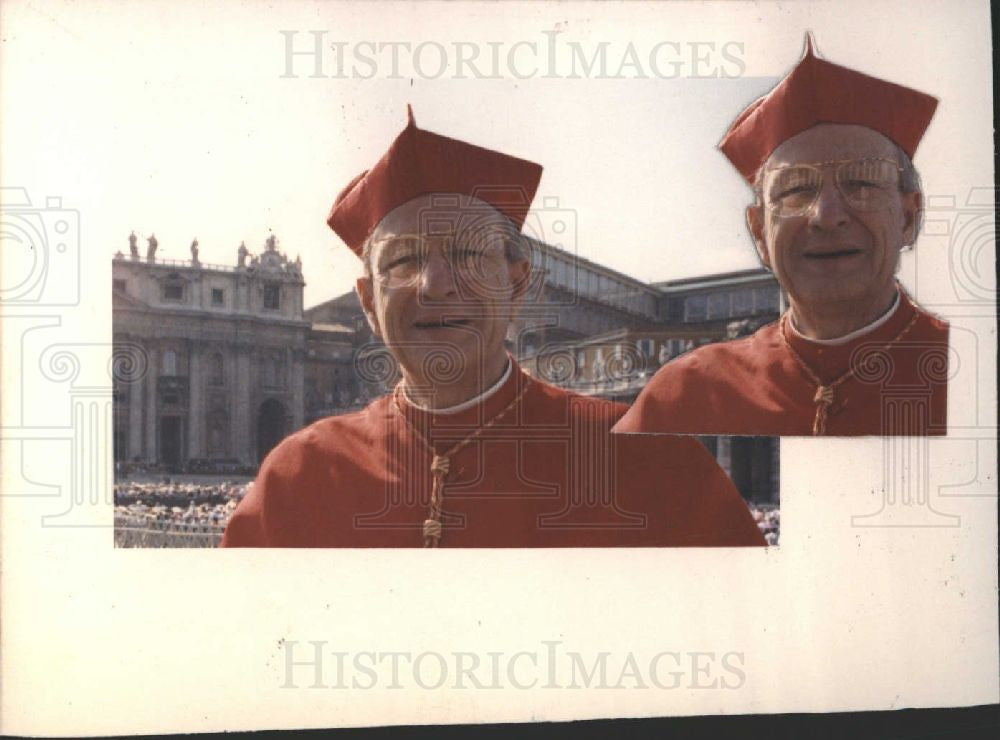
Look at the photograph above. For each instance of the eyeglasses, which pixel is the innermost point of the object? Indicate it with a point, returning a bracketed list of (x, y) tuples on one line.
[(865, 184), (475, 259)]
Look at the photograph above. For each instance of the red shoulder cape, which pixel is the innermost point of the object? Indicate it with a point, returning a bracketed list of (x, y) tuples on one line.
[(756, 386), (548, 474)]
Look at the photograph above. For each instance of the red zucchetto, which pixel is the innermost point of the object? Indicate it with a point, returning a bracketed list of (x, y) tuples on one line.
[(420, 162), (816, 91)]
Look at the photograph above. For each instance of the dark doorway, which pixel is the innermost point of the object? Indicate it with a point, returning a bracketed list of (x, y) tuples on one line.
[(752, 468), (170, 441), (270, 426)]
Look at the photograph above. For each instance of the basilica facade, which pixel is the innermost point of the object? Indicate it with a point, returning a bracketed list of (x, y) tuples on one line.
[(217, 354)]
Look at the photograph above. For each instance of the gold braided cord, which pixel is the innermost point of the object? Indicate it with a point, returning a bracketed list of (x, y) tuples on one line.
[(824, 396), (440, 464)]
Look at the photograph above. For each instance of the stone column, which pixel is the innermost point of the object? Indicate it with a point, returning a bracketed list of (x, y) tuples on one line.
[(775, 446), (196, 403), (198, 285), (151, 453), (136, 402), (724, 454), (298, 387), (244, 423)]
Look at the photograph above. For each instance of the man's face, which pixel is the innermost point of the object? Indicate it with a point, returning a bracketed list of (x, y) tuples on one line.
[(838, 241), (442, 291)]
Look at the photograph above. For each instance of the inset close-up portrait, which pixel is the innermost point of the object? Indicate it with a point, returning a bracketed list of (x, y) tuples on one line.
[(828, 155)]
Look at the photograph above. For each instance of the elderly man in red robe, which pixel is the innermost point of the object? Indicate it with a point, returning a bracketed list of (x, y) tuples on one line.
[(828, 154), (469, 450)]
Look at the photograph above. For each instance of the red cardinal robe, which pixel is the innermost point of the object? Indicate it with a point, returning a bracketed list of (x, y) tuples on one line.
[(896, 386), (546, 473)]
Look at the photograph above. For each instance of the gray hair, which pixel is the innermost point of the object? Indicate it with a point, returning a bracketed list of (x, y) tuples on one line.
[(909, 182), (909, 178)]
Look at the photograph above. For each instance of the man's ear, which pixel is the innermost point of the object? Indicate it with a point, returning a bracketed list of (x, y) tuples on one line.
[(913, 208), (363, 287), (520, 278), (755, 223)]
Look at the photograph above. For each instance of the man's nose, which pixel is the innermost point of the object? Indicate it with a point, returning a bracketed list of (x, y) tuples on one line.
[(829, 210), (437, 280)]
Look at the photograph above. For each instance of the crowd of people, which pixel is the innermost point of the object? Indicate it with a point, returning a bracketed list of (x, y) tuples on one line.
[(148, 513), (167, 513), (768, 519), (229, 467)]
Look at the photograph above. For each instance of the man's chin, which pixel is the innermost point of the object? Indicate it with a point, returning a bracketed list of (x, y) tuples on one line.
[(836, 295), (438, 362)]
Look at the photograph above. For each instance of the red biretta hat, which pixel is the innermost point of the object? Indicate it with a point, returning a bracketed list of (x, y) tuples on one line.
[(816, 91), (420, 162)]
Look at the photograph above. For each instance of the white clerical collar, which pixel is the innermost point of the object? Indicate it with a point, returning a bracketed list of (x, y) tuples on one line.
[(854, 334), (472, 401)]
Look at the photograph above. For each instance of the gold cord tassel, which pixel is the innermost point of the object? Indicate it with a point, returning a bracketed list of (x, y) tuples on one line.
[(824, 393), (440, 464), (824, 397), (432, 525)]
